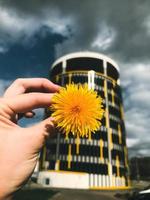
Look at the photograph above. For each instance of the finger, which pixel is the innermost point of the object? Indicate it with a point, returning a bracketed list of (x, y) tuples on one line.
[(23, 85), (29, 114), (27, 102), (40, 132)]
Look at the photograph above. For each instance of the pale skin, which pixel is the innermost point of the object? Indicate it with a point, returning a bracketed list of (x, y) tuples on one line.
[(20, 147)]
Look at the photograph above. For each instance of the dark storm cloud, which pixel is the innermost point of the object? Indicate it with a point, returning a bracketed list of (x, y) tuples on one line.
[(128, 19), (141, 148), (30, 60)]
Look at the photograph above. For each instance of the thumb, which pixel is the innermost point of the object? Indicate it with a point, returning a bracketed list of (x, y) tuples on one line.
[(40, 132)]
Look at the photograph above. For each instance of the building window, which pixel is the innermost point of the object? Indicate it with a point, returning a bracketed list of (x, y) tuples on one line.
[(47, 181), (112, 71), (99, 81), (85, 63), (56, 70)]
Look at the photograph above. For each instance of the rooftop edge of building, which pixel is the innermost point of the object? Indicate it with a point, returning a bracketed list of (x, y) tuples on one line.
[(85, 54)]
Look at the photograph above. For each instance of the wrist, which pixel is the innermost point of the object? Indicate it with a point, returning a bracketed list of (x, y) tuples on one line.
[(5, 194)]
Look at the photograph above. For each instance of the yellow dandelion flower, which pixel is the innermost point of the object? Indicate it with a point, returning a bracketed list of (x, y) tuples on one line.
[(77, 110)]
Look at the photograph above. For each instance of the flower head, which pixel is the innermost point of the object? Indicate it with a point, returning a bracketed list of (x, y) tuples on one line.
[(77, 110)]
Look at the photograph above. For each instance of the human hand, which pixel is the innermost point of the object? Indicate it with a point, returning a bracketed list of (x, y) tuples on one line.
[(19, 147)]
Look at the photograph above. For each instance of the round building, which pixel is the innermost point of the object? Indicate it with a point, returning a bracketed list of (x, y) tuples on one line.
[(99, 162)]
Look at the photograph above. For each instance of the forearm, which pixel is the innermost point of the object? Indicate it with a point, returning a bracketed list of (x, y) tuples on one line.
[(4, 195), (6, 191)]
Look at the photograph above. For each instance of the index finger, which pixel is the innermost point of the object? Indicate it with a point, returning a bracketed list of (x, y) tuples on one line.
[(26, 102), (23, 85)]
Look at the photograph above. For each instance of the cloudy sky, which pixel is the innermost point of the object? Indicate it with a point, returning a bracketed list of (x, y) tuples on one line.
[(33, 33)]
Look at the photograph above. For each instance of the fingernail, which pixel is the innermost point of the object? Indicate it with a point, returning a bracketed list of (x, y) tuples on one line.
[(49, 128), (58, 86), (52, 119)]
